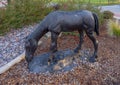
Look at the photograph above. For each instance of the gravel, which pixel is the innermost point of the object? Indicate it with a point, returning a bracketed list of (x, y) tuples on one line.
[(12, 44)]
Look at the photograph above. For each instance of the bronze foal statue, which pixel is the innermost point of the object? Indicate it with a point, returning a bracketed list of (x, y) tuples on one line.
[(61, 21)]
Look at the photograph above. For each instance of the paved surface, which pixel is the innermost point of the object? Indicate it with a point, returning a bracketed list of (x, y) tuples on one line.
[(113, 8)]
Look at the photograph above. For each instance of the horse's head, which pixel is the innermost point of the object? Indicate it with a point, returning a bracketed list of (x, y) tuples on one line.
[(30, 47)]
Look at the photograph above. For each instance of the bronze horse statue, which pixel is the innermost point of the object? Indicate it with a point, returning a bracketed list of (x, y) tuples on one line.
[(56, 22)]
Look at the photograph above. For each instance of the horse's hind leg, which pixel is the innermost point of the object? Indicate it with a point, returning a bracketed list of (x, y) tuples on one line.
[(81, 34), (91, 36)]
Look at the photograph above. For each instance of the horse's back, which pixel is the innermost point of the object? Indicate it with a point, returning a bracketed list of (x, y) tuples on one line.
[(69, 20), (69, 15), (79, 12)]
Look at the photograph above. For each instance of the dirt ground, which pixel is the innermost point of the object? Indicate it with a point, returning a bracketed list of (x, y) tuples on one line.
[(106, 71)]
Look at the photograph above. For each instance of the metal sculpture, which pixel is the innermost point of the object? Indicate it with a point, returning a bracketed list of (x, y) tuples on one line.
[(56, 22)]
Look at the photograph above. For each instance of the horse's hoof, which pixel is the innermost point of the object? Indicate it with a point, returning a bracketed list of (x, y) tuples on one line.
[(96, 56), (52, 61), (49, 61), (76, 51), (55, 60), (92, 59)]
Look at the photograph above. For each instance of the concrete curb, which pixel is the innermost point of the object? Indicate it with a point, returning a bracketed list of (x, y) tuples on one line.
[(12, 63)]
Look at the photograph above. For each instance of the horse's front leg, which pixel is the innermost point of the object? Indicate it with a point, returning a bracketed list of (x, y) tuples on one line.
[(53, 47), (95, 43), (81, 34)]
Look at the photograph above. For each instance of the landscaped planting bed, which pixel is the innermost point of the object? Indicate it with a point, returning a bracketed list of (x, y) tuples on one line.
[(106, 71)]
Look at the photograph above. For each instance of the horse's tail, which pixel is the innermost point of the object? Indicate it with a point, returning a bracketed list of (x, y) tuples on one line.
[(96, 24)]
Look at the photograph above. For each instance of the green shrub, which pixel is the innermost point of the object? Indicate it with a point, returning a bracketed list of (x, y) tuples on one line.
[(107, 15), (22, 12), (113, 28)]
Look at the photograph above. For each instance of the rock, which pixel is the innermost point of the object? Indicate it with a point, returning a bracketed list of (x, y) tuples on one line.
[(64, 62)]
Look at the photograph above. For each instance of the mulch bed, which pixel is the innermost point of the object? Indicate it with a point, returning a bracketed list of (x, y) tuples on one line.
[(106, 71)]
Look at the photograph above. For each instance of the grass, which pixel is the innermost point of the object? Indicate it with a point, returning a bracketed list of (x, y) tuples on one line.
[(99, 2), (113, 28)]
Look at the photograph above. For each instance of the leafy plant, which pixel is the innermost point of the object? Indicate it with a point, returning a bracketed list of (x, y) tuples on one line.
[(113, 28)]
